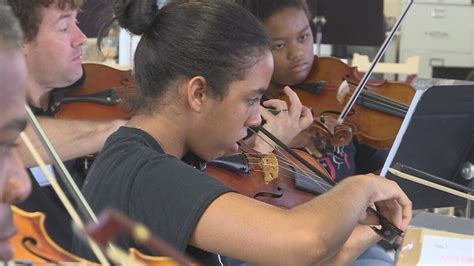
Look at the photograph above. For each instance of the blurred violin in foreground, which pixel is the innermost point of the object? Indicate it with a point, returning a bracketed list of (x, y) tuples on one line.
[(33, 244)]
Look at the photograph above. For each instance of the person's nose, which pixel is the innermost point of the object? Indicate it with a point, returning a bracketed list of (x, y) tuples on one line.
[(78, 37), (296, 51), (18, 184), (254, 119)]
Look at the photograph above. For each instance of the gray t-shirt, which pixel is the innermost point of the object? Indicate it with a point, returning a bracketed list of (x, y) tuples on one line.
[(135, 176)]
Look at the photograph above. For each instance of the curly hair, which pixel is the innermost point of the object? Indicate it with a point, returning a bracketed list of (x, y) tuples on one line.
[(29, 13)]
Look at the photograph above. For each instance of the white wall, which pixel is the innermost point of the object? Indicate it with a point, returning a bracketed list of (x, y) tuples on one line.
[(392, 8)]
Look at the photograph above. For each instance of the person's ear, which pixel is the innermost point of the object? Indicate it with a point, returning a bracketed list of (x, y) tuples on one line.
[(197, 93)]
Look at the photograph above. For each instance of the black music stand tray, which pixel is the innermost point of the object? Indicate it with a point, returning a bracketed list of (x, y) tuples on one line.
[(439, 139)]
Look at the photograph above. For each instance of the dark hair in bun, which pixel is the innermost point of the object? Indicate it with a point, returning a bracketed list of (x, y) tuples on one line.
[(218, 40), (136, 16)]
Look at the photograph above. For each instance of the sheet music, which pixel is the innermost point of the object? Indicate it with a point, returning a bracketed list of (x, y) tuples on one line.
[(446, 251), (401, 132)]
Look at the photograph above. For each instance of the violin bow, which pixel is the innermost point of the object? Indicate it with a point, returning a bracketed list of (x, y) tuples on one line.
[(388, 231), (424, 182), (380, 53), (143, 236), (67, 179)]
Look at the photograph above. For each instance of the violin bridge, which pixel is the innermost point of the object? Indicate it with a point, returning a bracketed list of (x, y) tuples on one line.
[(269, 165), (342, 91)]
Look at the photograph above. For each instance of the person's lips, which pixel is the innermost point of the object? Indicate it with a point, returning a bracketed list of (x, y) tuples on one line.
[(299, 67), (77, 58)]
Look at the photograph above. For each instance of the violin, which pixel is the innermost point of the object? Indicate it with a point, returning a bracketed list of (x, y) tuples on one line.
[(275, 178), (379, 110), (33, 244), (104, 95), (285, 178)]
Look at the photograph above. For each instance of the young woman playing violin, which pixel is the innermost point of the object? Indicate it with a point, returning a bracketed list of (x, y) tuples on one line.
[(288, 25), (201, 69)]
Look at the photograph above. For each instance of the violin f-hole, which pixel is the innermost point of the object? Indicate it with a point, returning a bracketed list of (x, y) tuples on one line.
[(276, 195)]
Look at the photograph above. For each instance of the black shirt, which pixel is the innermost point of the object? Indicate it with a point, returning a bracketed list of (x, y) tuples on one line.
[(134, 175), (355, 158)]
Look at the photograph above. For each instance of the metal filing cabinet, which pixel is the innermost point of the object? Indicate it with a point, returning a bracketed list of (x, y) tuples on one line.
[(441, 32)]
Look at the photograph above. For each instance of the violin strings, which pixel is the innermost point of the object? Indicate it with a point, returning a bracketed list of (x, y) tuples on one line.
[(279, 176), (310, 180), (313, 177), (332, 84), (316, 180), (376, 99), (396, 104)]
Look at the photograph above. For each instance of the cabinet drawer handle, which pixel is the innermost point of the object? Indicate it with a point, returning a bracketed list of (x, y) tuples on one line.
[(436, 62), (438, 13), (437, 34)]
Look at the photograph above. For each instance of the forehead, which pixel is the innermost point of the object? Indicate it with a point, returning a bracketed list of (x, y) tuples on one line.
[(257, 78), (286, 22), (52, 14)]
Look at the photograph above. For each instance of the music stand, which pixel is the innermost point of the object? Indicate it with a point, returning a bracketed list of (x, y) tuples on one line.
[(438, 139)]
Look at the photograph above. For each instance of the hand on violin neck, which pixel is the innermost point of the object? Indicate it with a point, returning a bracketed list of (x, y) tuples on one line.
[(288, 121)]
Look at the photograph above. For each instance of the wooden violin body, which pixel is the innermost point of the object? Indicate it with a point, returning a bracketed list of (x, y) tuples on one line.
[(378, 112), (285, 179), (33, 244), (103, 96), (275, 178)]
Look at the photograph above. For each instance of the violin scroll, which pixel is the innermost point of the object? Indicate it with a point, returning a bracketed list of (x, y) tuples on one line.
[(111, 222), (323, 132)]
